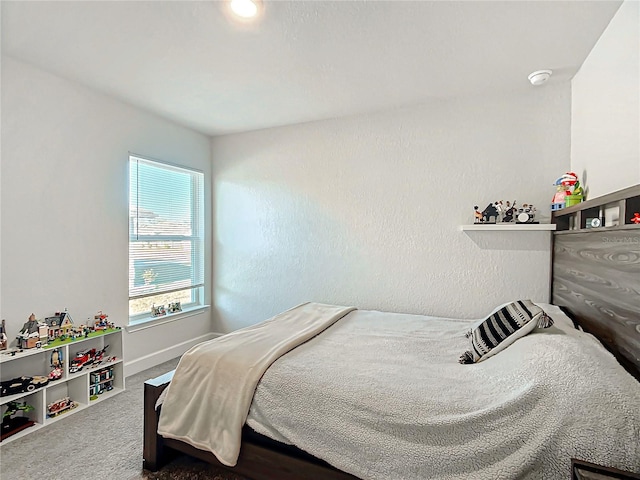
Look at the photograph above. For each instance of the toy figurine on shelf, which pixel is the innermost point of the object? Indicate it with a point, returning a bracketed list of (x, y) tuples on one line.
[(477, 215), (526, 214), (158, 311), (174, 307), (569, 191), (496, 212), (12, 424), (101, 322), (3, 336), (500, 208), (56, 364), (490, 214), (635, 219), (510, 212), (557, 202)]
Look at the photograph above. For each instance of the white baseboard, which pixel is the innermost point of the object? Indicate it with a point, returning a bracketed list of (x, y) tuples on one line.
[(156, 358)]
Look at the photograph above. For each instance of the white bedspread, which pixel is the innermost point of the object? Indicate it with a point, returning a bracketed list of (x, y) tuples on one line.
[(208, 400), (406, 409)]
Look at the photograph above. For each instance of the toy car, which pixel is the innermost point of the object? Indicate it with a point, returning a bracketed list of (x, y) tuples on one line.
[(22, 384), (55, 374), (86, 357), (60, 406)]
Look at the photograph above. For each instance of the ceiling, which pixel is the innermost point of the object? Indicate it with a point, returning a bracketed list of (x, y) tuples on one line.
[(304, 60)]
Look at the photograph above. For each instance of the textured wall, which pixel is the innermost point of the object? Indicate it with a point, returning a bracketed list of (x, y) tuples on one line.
[(65, 201), (605, 121), (365, 210)]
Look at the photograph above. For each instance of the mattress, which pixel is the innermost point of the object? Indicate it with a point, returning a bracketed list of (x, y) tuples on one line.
[(382, 395)]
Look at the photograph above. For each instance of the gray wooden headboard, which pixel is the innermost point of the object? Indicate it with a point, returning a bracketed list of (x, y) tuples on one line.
[(596, 272)]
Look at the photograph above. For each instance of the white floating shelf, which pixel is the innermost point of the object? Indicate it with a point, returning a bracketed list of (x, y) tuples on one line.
[(510, 227)]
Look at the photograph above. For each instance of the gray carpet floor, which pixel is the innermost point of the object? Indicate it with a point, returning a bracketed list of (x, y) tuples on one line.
[(103, 442)]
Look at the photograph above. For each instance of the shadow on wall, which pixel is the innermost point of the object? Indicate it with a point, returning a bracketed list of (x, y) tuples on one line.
[(536, 241)]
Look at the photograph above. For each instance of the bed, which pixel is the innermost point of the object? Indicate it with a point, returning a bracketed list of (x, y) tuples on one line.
[(554, 395)]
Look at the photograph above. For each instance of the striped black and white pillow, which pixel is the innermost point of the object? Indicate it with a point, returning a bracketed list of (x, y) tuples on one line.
[(503, 327)]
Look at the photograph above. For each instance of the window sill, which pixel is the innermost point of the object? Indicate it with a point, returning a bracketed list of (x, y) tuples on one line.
[(151, 322)]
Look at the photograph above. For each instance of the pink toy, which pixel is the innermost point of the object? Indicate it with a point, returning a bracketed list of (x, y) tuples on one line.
[(567, 184), (558, 199), (636, 218)]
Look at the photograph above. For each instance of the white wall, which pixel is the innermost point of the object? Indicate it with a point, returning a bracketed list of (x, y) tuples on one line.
[(605, 133), (65, 204), (365, 210)]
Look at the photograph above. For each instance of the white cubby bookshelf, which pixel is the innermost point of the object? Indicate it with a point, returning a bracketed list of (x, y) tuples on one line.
[(76, 386)]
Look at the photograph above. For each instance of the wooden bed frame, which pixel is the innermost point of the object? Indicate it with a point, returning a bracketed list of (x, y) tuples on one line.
[(596, 272), (595, 280), (260, 458)]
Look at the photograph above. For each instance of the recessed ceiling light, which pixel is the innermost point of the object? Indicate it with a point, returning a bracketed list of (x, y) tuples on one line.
[(539, 77), (244, 8)]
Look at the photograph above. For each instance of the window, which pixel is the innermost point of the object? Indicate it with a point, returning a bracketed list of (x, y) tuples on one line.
[(166, 244)]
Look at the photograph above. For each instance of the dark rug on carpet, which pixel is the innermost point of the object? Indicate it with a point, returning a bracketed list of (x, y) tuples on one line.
[(187, 468)]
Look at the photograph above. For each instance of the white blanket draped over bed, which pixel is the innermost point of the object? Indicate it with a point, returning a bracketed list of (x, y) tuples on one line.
[(209, 397), (406, 409)]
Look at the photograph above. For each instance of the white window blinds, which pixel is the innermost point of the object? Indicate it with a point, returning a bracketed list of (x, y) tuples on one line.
[(166, 224)]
